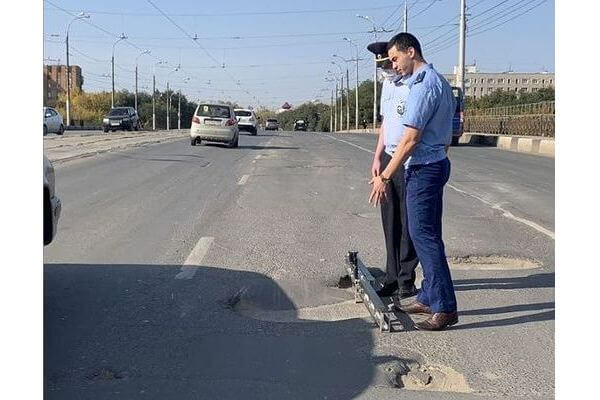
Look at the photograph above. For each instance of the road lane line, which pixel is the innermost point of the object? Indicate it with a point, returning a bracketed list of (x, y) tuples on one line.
[(352, 144), (505, 213), (508, 214), (243, 179), (190, 266)]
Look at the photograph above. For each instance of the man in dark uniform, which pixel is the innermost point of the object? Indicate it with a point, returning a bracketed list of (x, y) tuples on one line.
[(401, 258)]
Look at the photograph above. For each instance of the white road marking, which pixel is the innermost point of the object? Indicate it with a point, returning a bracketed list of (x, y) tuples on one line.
[(352, 144), (505, 213), (190, 266), (243, 179), (508, 214)]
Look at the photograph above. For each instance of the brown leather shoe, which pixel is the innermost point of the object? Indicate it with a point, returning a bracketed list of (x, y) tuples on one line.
[(415, 308), (437, 322)]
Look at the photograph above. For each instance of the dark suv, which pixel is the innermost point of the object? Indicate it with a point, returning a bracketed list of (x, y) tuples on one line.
[(125, 118)]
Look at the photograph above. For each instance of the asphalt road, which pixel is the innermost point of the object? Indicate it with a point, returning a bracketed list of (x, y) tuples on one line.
[(172, 264)]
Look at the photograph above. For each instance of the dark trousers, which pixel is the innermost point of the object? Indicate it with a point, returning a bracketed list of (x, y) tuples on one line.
[(424, 193), (401, 256)]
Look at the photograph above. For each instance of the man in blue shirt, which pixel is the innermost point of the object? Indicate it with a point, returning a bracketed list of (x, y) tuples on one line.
[(401, 258), (427, 133)]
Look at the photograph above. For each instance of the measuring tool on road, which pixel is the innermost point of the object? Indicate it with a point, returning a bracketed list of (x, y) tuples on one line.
[(364, 287)]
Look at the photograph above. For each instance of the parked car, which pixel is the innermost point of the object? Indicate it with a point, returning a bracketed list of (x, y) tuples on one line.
[(300, 125), (272, 125), (124, 118), (53, 121), (247, 120), (459, 115), (215, 123), (52, 204)]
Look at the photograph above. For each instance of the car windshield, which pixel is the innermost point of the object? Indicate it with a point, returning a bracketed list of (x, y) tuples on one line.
[(117, 112), (242, 113), (213, 111), (271, 120)]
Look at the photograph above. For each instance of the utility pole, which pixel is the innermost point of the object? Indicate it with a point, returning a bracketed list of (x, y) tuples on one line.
[(153, 102), (461, 47), (68, 105), (136, 76), (331, 113), (356, 93), (335, 108), (405, 15), (112, 97), (342, 103), (347, 100), (179, 111)]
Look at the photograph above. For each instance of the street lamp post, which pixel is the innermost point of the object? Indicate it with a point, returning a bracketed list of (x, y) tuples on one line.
[(341, 94), (169, 97), (136, 76), (68, 105), (356, 94), (179, 106), (154, 93), (347, 91), (367, 18), (112, 98)]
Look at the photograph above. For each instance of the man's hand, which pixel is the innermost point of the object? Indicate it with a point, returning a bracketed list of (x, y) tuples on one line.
[(376, 167), (378, 191)]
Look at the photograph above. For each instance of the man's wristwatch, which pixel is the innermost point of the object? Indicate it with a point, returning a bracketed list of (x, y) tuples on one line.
[(384, 180)]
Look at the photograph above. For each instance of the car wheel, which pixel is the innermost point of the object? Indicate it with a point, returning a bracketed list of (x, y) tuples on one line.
[(105, 130), (45, 130), (113, 130), (137, 127), (194, 141), (61, 130)]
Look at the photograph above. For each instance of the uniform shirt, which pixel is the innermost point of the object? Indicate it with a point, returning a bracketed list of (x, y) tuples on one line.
[(394, 95), (430, 108)]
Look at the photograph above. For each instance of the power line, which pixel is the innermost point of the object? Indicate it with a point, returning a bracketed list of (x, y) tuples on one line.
[(478, 32), (305, 11)]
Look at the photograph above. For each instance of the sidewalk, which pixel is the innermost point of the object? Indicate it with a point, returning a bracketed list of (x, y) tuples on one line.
[(65, 148)]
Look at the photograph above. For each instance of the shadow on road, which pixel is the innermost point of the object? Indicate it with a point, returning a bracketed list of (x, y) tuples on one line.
[(545, 280), (134, 330)]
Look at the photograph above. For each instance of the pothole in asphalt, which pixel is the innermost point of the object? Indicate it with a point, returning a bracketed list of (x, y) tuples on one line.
[(492, 262), (435, 378), (293, 301)]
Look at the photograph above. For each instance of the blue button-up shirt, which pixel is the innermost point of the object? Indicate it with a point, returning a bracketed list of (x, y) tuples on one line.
[(429, 108), (394, 95)]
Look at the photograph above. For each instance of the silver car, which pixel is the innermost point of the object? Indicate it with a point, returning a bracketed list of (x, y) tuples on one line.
[(247, 120), (53, 121), (214, 123), (52, 204)]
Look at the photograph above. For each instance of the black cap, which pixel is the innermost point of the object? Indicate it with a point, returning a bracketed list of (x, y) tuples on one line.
[(379, 49)]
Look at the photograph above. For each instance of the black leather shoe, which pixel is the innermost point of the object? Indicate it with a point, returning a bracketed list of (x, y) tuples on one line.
[(437, 322), (387, 290), (406, 292)]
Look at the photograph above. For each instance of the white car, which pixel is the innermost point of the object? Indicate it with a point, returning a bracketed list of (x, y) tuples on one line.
[(215, 123), (247, 120), (53, 121)]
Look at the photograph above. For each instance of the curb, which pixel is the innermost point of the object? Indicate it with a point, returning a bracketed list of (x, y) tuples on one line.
[(522, 144), (122, 147)]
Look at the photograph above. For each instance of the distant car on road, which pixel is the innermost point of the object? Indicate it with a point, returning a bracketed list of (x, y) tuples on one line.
[(459, 115), (247, 120), (124, 118), (53, 121), (215, 123), (300, 125), (52, 204), (272, 125)]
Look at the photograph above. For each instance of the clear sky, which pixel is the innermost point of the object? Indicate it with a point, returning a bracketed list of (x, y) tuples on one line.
[(277, 51)]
